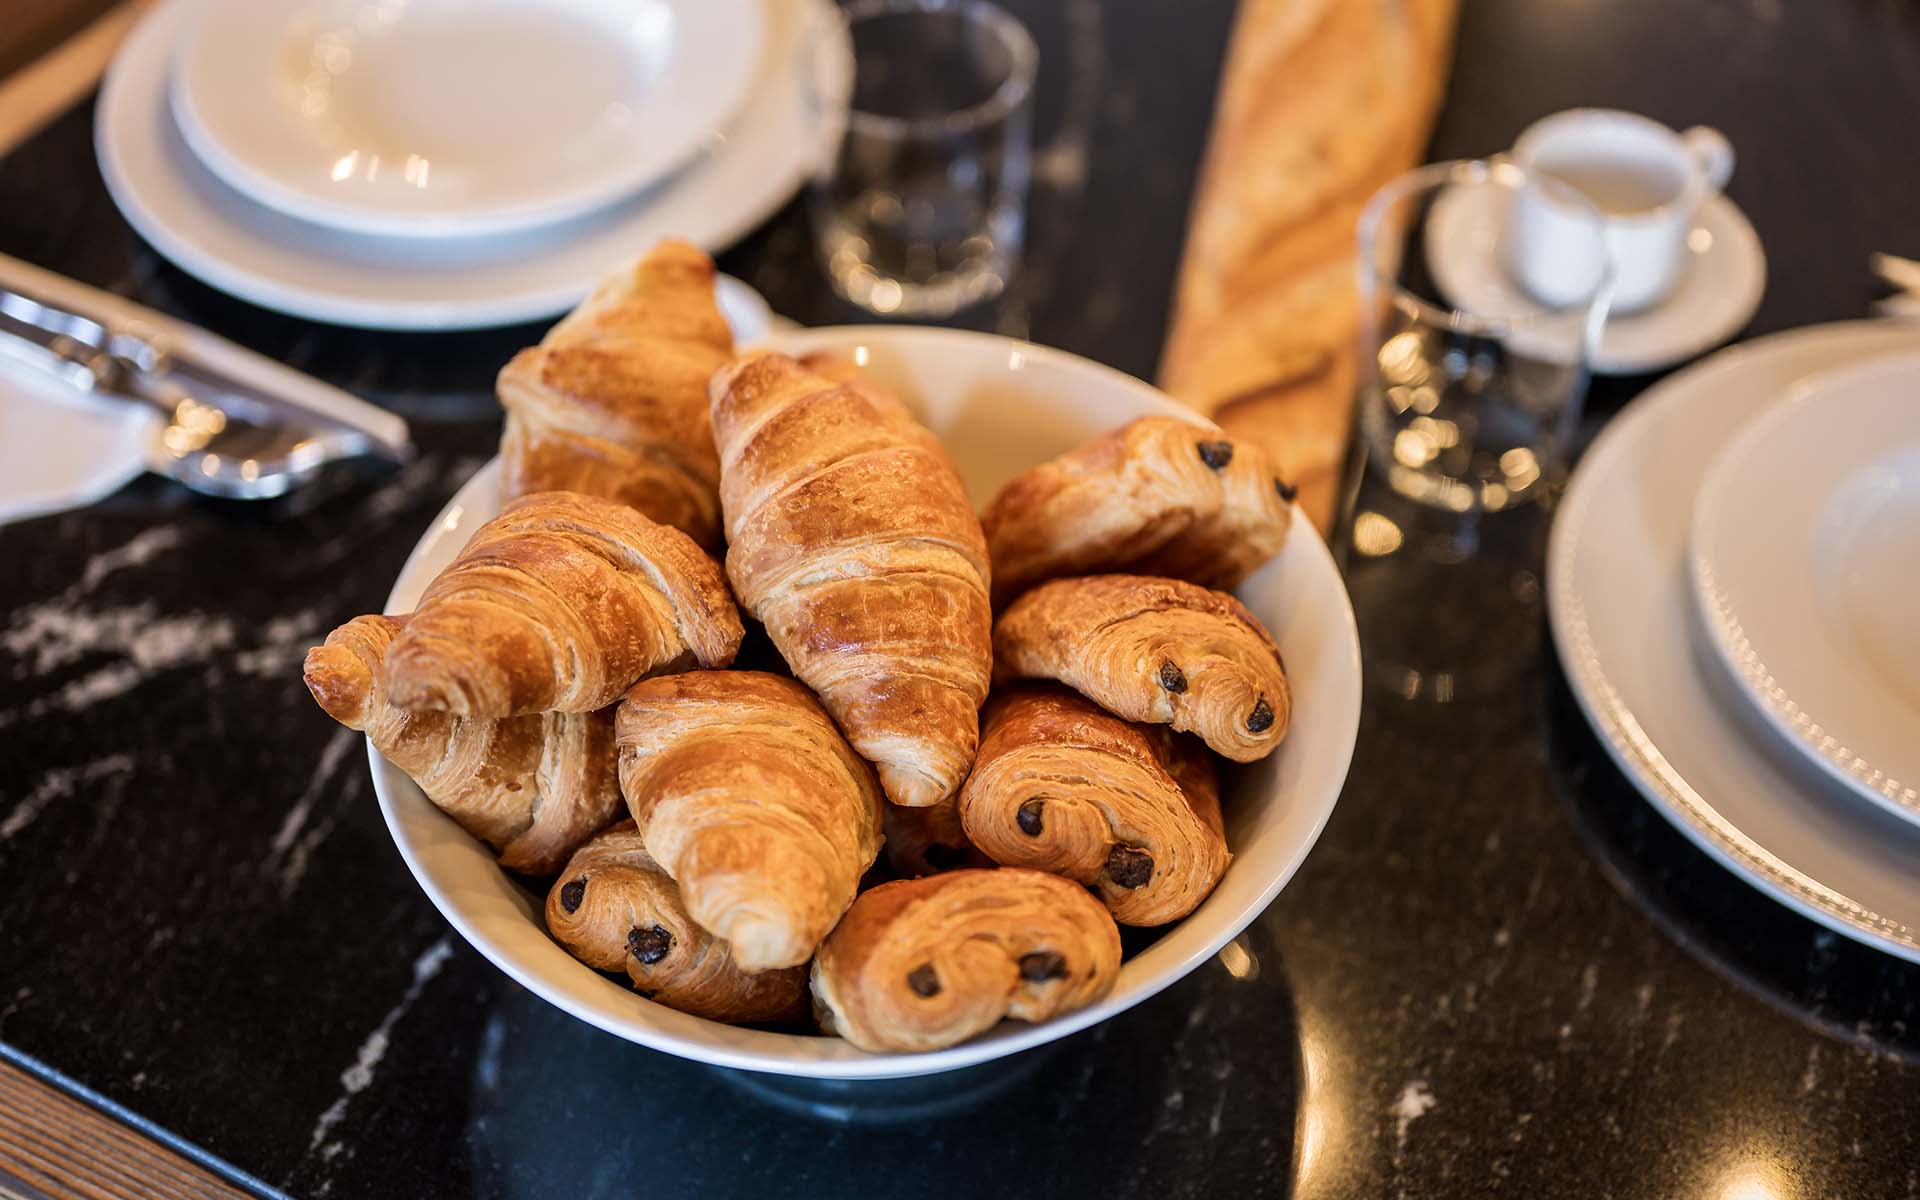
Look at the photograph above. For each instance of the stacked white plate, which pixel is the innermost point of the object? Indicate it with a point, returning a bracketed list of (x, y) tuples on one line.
[(1734, 581), (445, 164)]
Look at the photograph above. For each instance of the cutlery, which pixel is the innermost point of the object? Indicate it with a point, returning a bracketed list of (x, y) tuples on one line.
[(237, 425)]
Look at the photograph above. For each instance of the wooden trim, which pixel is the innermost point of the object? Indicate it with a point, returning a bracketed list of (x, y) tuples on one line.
[(61, 78), (54, 1146)]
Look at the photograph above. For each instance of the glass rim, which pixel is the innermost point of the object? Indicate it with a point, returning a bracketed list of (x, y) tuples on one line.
[(1504, 171), (1006, 96)]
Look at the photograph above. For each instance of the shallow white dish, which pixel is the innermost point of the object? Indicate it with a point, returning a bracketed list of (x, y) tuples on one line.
[(1000, 406), (275, 261), (1716, 292), (456, 118), (1621, 607), (62, 448), (1806, 569)]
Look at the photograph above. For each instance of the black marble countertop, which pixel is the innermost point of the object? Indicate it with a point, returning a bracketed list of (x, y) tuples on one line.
[(1498, 973)]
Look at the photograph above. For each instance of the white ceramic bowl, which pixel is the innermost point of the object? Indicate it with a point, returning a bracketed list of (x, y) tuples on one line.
[(1000, 406)]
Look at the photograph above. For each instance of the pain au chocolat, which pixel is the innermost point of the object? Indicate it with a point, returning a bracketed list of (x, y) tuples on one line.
[(1132, 811), (923, 963), (616, 909), (1160, 651), (1158, 496)]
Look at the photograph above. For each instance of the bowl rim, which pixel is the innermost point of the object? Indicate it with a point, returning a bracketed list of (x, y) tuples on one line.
[(1009, 1037)]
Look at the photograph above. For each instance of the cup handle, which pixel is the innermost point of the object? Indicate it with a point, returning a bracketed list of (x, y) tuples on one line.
[(1712, 152)]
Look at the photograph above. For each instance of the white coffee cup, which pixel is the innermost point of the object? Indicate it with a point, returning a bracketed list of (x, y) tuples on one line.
[(1647, 182)]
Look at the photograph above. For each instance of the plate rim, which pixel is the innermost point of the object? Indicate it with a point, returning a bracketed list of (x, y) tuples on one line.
[(123, 114), (1009, 1038), (1727, 634), (1626, 743), (435, 223)]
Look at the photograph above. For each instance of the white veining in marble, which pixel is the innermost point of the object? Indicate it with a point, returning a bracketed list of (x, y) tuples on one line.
[(58, 784), (359, 1076)]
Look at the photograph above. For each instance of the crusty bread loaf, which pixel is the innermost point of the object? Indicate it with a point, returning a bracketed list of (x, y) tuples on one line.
[(1321, 102)]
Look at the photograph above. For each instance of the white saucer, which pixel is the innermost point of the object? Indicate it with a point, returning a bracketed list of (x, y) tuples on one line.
[(456, 118), (278, 262), (1622, 613), (61, 448), (1806, 569), (1717, 290)]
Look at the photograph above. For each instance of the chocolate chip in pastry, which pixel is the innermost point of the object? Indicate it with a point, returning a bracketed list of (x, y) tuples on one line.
[(923, 963), (613, 401), (615, 909), (561, 603), (1159, 496), (1159, 651), (750, 798), (1132, 811), (533, 787), (929, 840), (851, 538)]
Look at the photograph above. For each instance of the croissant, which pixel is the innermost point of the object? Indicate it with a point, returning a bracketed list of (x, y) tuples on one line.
[(923, 963), (1154, 650), (928, 840), (851, 538), (1132, 811), (613, 401), (561, 602), (749, 797), (614, 909), (1159, 496), (533, 787)]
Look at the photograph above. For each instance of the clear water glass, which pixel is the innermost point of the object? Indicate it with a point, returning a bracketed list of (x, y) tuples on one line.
[(1470, 386), (919, 208)]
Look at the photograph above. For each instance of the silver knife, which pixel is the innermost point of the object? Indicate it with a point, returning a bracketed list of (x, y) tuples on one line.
[(236, 423)]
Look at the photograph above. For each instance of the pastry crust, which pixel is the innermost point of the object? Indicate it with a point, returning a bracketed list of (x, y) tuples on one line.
[(753, 802), (613, 401), (1321, 102), (533, 787), (1132, 811), (928, 840), (615, 909), (851, 538), (560, 603), (924, 963), (1159, 651), (1158, 496)]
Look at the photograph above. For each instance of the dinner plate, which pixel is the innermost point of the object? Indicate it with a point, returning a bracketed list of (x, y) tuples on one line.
[(999, 406), (1716, 291), (1806, 568), (455, 118), (1621, 608), (293, 266)]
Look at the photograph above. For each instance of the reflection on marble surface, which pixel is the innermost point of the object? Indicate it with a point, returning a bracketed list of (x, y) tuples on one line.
[(1209, 1080)]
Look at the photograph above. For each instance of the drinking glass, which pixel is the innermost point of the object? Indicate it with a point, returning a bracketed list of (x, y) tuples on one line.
[(919, 209), (1470, 386)]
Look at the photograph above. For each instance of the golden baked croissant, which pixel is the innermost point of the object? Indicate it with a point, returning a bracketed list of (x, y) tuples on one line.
[(615, 909), (533, 787), (1159, 496), (1132, 811), (928, 840), (923, 963), (851, 538), (1155, 650), (561, 602), (753, 802), (613, 401)]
